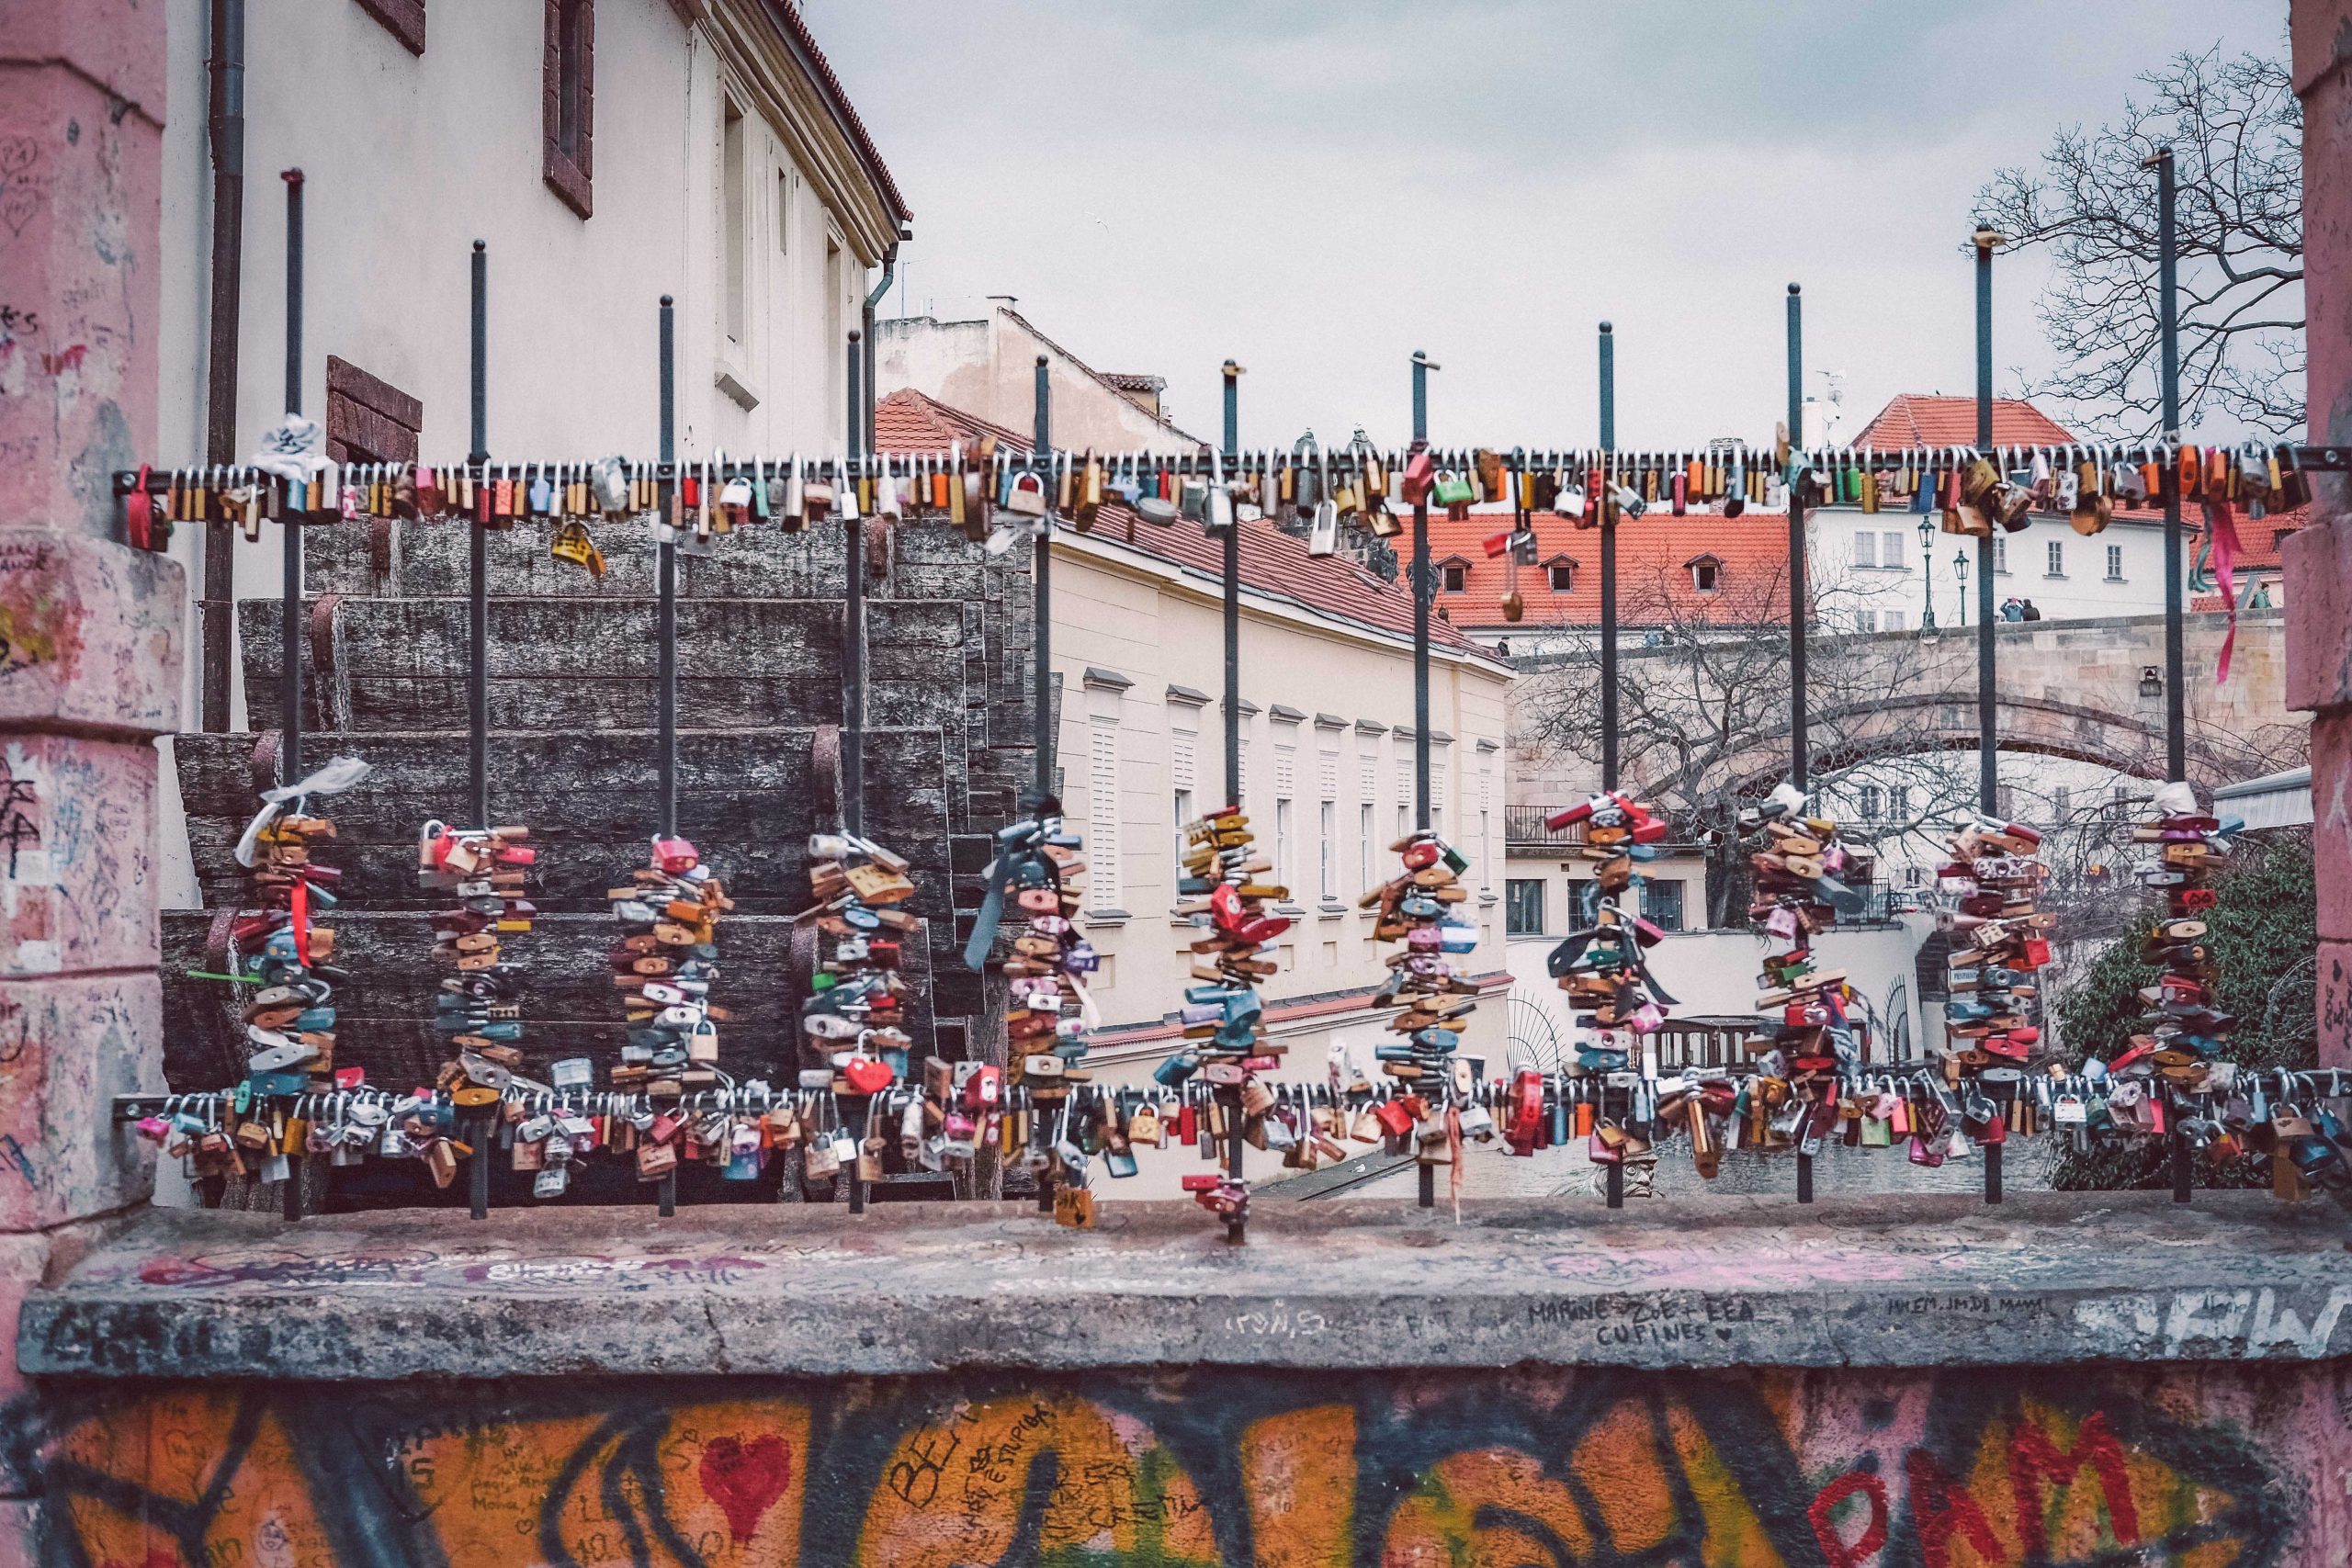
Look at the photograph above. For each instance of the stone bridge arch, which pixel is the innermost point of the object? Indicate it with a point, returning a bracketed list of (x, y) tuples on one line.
[(2067, 689)]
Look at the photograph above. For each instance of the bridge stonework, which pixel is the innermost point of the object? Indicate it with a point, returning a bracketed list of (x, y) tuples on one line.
[(2073, 689)]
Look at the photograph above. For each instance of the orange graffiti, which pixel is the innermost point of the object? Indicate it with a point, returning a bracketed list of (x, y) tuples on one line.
[(1736, 1471)]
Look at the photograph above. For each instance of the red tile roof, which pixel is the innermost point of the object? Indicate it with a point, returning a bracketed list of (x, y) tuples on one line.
[(1655, 586), (1912, 420), (1274, 564)]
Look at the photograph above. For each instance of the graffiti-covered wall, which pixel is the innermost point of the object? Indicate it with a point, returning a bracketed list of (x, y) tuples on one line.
[(2186, 1467)]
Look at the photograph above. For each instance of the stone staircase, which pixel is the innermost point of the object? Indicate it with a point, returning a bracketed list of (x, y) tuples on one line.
[(574, 754)]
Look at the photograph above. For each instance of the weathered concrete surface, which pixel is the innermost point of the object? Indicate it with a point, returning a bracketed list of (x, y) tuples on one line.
[(2186, 1467), (922, 1287)]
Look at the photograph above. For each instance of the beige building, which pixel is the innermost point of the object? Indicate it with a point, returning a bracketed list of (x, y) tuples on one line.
[(987, 368), (1327, 759), (608, 151)]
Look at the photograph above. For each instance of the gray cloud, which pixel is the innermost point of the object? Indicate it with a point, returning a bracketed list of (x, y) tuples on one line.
[(1318, 189)]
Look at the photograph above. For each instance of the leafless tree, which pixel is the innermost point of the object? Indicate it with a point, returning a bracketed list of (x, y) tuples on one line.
[(1704, 715), (2235, 129)]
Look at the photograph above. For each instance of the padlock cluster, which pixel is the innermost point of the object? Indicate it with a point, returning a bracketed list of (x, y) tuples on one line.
[(850, 1024), (1804, 878), (1601, 968), (1223, 896), (2182, 1031), (477, 1009), (289, 1018), (1999, 941), (1432, 1000), (1035, 872), (664, 963)]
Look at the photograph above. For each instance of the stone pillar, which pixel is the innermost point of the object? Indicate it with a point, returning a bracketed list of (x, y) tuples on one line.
[(90, 651), (2318, 559)]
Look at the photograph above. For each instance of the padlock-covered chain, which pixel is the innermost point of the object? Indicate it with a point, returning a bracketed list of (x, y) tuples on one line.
[(477, 1007)]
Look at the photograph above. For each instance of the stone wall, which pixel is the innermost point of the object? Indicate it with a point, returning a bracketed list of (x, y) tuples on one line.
[(2142, 1465)]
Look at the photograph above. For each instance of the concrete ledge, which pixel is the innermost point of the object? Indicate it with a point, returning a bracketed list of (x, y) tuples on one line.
[(926, 1288)]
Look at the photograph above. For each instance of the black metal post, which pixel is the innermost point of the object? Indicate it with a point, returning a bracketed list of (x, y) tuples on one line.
[(1233, 603), (290, 675), (1800, 745), (1989, 758), (666, 631), (289, 687), (854, 690), (2175, 652), (1423, 592), (227, 134), (1236, 1226), (667, 556), (1041, 557), (478, 649), (478, 606), (1613, 1173), (1608, 571)]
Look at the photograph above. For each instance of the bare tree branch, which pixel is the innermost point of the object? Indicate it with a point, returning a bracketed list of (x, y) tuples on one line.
[(2235, 130)]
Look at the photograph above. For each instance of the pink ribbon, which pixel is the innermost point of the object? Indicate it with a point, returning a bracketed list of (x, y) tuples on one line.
[(2221, 528)]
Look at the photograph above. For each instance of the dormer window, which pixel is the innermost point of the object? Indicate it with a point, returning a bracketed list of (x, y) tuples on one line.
[(1562, 570), (1706, 572), (1454, 572)]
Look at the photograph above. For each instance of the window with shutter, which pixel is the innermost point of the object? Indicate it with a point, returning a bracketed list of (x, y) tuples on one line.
[(1103, 814)]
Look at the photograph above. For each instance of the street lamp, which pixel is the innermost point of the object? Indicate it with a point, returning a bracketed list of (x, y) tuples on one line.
[(1959, 566), (1926, 577)]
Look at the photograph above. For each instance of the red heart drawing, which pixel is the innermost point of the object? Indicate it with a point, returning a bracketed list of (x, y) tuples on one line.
[(745, 1479)]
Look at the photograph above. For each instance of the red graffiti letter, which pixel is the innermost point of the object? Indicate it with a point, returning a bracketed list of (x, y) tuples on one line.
[(1825, 1528), (1941, 1508), (2035, 1461)]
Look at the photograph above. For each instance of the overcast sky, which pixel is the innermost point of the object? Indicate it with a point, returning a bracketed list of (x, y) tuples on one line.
[(1318, 189)]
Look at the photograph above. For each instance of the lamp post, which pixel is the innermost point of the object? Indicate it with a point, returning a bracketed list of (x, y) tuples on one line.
[(1959, 566), (1926, 577)]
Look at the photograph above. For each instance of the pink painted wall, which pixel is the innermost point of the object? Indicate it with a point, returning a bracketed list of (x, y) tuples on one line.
[(2319, 559)]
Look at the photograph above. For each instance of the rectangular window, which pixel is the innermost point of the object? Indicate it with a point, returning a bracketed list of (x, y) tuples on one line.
[(1282, 845), (1404, 824), (1866, 547), (2004, 801), (1865, 620), (1486, 853), (1899, 802), (784, 212), (1181, 803), (2061, 800), (1455, 576), (1103, 813), (2115, 563), (568, 93), (1890, 548), (734, 199), (1662, 902), (1587, 895), (1363, 848), (2057, 549), (1523, 905), (1891, 621), (1868, 799), (1329, 882), (2000, 554), (837, 416), (1563, 578)]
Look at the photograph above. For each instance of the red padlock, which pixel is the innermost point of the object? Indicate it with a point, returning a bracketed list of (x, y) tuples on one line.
[(1203, 1181), (982, 1089), (674, 856)]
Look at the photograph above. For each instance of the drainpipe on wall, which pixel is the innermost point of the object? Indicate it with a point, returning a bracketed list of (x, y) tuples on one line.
[(890, 271), (227, 126)]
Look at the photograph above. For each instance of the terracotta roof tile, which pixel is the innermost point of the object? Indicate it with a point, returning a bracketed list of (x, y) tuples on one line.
[(1910, 419)]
